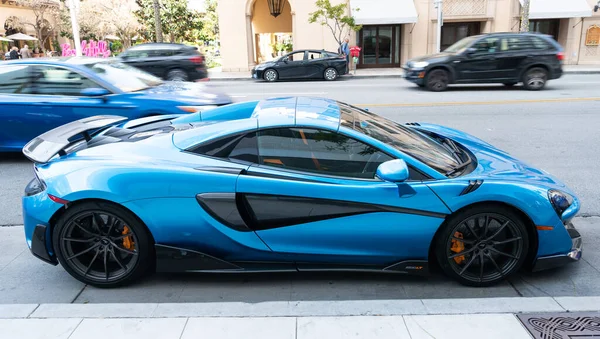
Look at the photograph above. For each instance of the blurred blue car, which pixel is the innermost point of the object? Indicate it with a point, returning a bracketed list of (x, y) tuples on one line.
[(289, 184), (37, 95)]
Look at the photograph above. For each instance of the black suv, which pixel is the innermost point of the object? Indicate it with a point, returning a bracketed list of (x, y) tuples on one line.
[(174, 62), (506, 58)]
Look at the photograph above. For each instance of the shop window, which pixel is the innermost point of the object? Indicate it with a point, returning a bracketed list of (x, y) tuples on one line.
[(592, 36)]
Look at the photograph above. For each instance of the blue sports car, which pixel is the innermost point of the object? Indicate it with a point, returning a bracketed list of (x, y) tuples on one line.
[(296, 183), (37, 95)]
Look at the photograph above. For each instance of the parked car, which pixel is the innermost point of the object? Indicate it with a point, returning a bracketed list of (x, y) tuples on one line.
[(37, 95), (289, 184), (506, 58), (306, 64), (174, 62)]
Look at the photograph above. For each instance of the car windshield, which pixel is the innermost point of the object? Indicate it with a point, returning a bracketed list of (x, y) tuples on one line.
[(126, 78), (406, 140), (460, 45)]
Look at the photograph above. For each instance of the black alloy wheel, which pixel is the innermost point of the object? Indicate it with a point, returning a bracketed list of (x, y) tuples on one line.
[(102, 244), (535, 79), (271, 75), (483, 247), (437, 80)]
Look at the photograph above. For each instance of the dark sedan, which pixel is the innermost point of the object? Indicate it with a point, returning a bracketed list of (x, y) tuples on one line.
[(306, 64)]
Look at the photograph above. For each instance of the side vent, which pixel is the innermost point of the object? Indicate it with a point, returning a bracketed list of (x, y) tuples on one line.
[(473, 186), (413, 124)]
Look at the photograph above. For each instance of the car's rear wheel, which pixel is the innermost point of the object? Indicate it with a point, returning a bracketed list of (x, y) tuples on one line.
[(102, 244), (271, 75), (437, 80), (330, 74), (177, 75), (535, 79), (481, 246)]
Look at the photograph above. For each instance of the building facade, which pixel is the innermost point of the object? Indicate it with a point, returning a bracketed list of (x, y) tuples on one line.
[(396, 30)]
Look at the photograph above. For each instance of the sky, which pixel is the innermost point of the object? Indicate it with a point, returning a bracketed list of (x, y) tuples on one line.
[(196, 4)]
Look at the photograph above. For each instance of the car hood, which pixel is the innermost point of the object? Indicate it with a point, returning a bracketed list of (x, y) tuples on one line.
[(494, 163), (265, 65), (438, 57), (193, 93)]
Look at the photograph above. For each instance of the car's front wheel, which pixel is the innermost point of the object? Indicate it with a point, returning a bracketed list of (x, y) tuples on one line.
[(535, 79), (437, 80), (102, 244), (481, 246), (271, 75)]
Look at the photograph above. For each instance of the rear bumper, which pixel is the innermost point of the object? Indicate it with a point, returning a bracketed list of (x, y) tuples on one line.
[(557, 72), (198, 74), (547, 262)]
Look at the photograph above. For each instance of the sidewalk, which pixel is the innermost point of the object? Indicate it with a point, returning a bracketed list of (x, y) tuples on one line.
[(418, 318), (372, 73)]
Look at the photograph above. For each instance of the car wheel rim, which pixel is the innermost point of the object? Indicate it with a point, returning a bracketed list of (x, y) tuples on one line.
[(484, 247), (270, 76), (536, 80), (438, 80), (330, 74), (99, 246)]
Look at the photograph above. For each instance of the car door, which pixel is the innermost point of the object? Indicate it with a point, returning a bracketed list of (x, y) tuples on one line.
[(292, 65), (55, 98), (480, 62), (515, 51), (315, 65), (313, 197)]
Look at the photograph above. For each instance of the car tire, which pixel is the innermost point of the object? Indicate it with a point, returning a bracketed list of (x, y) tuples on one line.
[(437, 80), (489, 253), (177, 75), (330, 74), (91, 243), (535, 79), (271, 75), (509, 84)]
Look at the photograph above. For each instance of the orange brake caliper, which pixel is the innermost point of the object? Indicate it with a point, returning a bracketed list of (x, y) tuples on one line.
[(457, 247), (127, 241)]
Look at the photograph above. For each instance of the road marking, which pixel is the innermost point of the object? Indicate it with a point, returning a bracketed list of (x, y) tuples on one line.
[(468, 103)]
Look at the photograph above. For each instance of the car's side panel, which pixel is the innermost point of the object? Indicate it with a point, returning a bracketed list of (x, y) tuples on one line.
[(529, 199)]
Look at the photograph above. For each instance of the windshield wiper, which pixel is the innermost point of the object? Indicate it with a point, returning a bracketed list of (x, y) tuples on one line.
[(457, 152)]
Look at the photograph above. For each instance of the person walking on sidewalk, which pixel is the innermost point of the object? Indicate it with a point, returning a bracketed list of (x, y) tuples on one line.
[(25, 52), (345, 49)]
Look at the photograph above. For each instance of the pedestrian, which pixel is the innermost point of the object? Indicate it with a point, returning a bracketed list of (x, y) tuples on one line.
[(345, 50), (14, 53), (25, 52)]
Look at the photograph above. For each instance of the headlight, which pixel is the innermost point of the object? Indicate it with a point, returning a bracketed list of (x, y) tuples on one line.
[(560, 201), (420, 64), (195, 109)]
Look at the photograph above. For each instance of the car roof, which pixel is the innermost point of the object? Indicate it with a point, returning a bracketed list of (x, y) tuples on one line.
[(273, 112), (160, 45)]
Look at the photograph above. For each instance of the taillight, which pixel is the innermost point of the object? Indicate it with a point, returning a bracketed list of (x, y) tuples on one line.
[(560, 56), (197, 59)]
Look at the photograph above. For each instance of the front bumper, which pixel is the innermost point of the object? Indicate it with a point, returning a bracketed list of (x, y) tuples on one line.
[(415, 75), (543, 263)]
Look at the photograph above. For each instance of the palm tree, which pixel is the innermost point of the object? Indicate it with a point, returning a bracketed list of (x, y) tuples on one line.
[(157, 24)]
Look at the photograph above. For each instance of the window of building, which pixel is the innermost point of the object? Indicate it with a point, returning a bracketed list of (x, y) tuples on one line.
[(453, 32), (13, 78), (550, 27), (319, 151)]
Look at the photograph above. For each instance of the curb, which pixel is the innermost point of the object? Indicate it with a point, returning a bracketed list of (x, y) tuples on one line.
[(305, 308), (380, 76)]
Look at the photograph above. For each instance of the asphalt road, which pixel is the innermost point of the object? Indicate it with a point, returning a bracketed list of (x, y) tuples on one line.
[(555, 129)]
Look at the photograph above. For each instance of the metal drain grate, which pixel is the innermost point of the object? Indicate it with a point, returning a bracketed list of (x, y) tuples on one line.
[(577, 325)]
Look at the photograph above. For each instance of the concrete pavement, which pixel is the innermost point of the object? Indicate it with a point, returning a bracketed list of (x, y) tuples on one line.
[(426, 318)]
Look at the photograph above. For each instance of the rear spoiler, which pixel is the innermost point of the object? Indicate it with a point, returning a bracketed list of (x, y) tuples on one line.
[(46, 146)]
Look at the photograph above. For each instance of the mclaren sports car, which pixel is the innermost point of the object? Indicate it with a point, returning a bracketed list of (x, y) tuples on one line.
[(289, 184)]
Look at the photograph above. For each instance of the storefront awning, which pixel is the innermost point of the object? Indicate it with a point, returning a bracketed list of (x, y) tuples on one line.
[(558, 9), (383, 12)]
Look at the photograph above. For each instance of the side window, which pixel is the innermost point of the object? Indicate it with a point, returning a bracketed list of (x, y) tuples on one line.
[(14, 78), (519, 43), (313, 55), (319, 151), (487, 45), (298, 56), (238, 147), (539, 43), (50, 80)]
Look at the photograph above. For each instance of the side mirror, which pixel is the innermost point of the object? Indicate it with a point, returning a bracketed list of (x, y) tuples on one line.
[(94, 92), (470, 51), (393, 171)]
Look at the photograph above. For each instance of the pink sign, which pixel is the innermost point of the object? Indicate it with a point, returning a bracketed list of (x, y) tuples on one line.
[(91, 49)]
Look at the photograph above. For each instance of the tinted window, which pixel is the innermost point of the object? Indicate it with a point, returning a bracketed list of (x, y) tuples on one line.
[(50, 80), (539, 43), (519, 43), (238, 147), (319, 151), (487, 45), (13, 78)]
